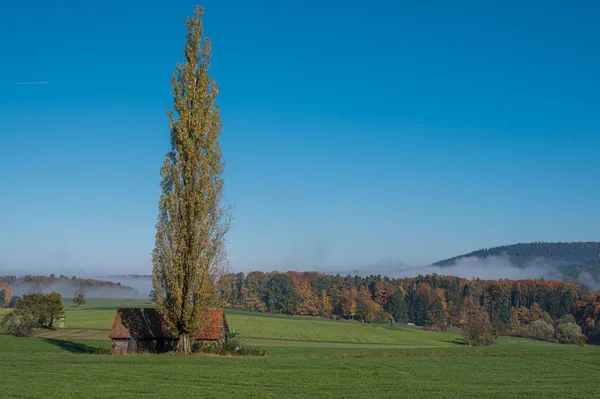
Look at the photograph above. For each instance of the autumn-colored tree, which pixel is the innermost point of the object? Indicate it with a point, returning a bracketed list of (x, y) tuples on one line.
[(536, 313), (514, 322), (256, 283), (366, 307), (5, 294), (382, 291), (524, 315), (529, 315), (587, 314), (243, 299), (436, 315), (227, 291), (306, 297), (348, 302), (425, 289), (324, 305), (189, 255), (452, 314), (478, 328)]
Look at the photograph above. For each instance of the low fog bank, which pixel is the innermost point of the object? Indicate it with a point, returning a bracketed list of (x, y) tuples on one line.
[(142, 285), (67, 289), (589, 281), (488, 268), (491, 268)]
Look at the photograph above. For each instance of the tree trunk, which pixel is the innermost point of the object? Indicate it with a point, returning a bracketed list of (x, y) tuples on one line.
[(184, 345)]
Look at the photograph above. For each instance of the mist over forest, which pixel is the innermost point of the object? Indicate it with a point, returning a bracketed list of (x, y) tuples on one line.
[(485, 268), (577, 262), (67, 286)]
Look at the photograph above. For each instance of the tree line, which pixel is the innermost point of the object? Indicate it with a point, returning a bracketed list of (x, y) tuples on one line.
[(433, 301)]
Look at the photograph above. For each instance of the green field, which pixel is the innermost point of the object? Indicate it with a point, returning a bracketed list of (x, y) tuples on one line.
[(305, 358)]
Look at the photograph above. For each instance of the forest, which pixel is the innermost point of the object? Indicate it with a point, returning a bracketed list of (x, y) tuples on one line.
[(570, 258), (433, 301)]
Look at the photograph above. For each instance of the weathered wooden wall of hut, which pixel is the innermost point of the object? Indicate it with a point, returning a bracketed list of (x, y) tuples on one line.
[(120, 346)]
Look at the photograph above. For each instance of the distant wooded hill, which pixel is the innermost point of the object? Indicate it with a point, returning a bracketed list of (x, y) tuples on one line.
[(571, 258)]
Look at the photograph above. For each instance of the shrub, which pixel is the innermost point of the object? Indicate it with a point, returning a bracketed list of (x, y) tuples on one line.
[(230, 347), (98, 350), (206, 347), (482, 337), (541, 330), (568, 318), (19, 324), (569, 333), (382, 318), (236, 348), (101, 351)]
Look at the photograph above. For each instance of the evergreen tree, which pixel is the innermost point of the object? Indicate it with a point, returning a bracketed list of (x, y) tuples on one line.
[(281, 297), (398, 308), (436, 316), (421, 307)]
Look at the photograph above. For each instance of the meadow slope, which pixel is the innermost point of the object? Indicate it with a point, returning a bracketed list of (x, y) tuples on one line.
[(306, 358)]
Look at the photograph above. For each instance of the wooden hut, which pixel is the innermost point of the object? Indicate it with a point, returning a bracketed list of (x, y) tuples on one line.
[(143, 330)]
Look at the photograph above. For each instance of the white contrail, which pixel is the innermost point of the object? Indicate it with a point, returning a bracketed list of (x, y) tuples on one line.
[(30, 83)]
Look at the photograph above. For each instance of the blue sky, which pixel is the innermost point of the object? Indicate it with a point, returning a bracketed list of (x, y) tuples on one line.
[(353, 133)]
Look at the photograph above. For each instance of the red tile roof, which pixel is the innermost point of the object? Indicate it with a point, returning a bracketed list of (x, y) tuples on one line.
[(147, 323)]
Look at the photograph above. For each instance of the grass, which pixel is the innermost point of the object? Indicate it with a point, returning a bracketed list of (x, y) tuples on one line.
[(38, 368), (316, 330), (306, 358), (97, 315)]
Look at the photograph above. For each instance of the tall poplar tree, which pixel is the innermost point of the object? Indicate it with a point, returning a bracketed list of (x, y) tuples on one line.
[(189, 254)]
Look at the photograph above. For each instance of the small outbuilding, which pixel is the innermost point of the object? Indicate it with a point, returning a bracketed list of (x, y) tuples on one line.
[(144, 330)]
